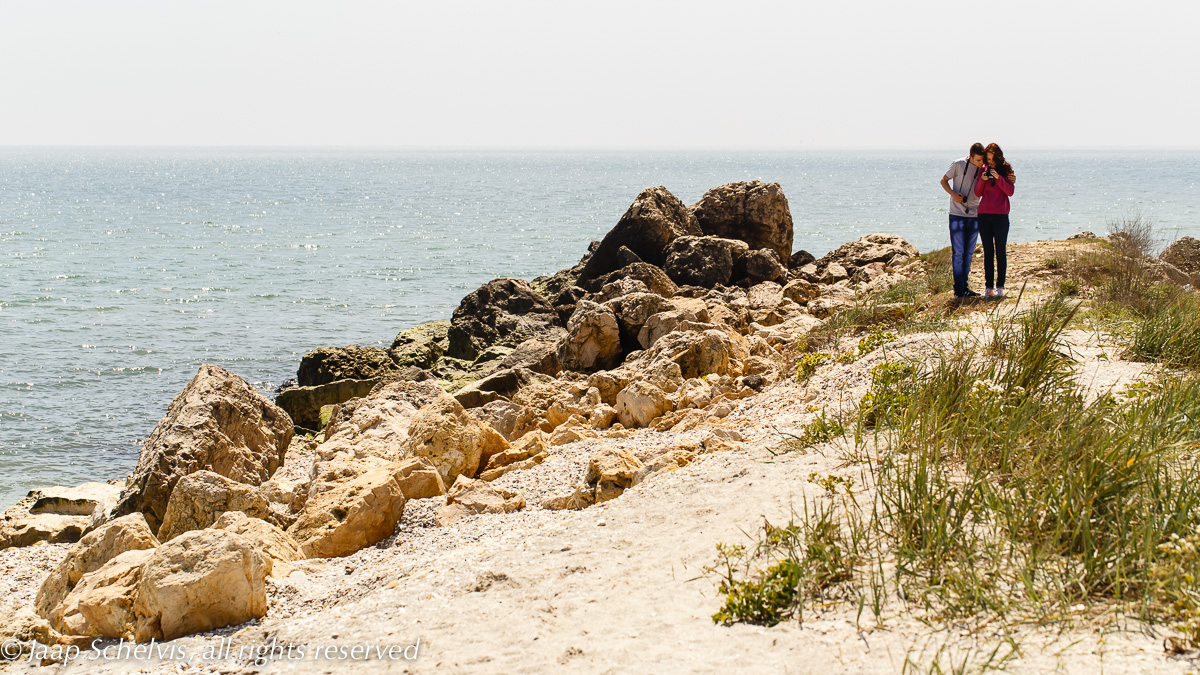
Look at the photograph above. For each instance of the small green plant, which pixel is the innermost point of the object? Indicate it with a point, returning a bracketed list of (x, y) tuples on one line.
[(1055, 263), (874, 339), (847, 358), (821, 430), (832, 482), (1067, 288), (887, 394), (787, 567), (808, 364)]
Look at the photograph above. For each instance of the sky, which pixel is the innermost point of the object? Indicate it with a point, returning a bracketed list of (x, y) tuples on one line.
[(600, 75)]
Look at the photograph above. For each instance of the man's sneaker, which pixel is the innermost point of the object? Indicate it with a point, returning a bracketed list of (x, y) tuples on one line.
[(999, 292), (989, 293), (969, 294)]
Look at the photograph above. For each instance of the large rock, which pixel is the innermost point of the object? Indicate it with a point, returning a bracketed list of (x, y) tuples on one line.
[(703, 261), (200, 581), (102, 603), (593, 340), (303, 404), (640, 403), (504, 312), (199, 499), (888, 249), (754, 212), (1184, 254), (453, 440), (271, 542), (219, 423), (652, 222), (127, 533), (378, 425), (698, 353), (352, 362), (468, 497), (351, 516)]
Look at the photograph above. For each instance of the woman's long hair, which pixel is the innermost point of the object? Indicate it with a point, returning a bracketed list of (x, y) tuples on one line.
[(998, 163)]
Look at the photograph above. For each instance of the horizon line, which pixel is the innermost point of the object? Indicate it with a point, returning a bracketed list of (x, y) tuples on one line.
[(485, 148)]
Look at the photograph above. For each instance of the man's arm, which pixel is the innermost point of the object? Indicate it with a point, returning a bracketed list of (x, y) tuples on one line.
[(949, 190)]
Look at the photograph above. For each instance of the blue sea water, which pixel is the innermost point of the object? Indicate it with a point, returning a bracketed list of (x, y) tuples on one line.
[(122, 270)]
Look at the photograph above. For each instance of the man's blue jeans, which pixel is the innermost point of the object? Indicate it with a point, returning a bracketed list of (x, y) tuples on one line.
[(963, 232)]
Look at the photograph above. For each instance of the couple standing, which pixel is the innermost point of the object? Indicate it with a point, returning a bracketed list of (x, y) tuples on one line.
[(979, 186)]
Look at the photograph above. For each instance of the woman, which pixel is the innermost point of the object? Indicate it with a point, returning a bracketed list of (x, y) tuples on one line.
[(993, 187)]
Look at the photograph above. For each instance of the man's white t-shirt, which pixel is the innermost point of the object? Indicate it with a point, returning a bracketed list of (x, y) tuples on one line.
[(962, 174)]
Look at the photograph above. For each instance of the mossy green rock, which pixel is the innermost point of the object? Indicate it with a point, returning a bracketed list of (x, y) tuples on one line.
[(304, 404), (421, 345)]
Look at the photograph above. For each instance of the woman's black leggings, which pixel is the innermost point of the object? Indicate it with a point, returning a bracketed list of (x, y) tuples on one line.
[(993, 230)]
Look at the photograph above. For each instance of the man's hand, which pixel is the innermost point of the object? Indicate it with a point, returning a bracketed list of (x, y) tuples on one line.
[(958, 198)]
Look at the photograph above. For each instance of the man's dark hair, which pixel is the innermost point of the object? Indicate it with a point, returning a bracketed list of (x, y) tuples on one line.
[(976, 149)]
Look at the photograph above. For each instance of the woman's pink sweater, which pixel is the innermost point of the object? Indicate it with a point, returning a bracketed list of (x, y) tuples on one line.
[(993, 194)]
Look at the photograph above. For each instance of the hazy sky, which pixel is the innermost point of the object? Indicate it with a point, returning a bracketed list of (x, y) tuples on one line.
[(613, 74)]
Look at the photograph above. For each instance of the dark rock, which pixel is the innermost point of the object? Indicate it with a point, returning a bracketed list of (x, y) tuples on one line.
[(303, 404), (754, 212), (503, 312), (755, 382), (627, 257), (566, 301), (352, 362), (652, 222), (500, 384), (219, 423), (764, 265), (1183, 254), (703, 261), (800, 259), (286, 384)]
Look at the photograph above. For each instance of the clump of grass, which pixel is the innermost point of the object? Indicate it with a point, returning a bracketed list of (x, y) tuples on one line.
[(1055, 263), (799, 562), (1134, 236), (1169, 332), (1067, 288), (820, 430)]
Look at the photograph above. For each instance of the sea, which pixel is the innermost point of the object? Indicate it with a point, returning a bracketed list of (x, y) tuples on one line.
[(124, 269)]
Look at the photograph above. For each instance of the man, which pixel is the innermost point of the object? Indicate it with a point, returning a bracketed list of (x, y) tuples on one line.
[(959, 183)]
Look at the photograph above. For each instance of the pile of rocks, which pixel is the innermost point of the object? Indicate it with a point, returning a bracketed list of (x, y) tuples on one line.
[(675, 315)]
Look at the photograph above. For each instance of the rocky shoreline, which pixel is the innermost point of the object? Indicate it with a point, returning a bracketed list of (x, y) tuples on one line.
[(670, 344)]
